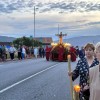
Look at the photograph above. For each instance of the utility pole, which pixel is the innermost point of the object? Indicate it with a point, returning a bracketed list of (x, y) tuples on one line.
[(34, 21)]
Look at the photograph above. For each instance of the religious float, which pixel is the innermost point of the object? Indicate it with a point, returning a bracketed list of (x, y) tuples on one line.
[(59, 51)]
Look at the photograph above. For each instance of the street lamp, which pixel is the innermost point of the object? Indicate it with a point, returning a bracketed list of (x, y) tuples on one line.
[(34, 21)]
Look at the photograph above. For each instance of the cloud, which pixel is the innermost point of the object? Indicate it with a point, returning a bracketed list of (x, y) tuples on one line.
[(61, 7), (94, 24), (73, 7), (17, 17)]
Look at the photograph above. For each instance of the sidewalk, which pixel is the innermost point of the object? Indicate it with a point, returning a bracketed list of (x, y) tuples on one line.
[(16, 59)]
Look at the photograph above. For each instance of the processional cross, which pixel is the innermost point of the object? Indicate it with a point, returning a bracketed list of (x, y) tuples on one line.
[(60, 37)]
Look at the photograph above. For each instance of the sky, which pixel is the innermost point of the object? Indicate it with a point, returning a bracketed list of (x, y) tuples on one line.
[(73, 17)]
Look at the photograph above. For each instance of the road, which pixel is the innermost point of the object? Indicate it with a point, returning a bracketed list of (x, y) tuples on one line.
[(34, 79)]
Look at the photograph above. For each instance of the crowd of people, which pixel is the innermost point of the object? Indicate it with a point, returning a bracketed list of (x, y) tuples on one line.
[(88, 69), (21, 52)]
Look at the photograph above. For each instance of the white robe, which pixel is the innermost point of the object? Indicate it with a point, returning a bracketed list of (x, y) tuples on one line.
[(35, 52), (94, 83)]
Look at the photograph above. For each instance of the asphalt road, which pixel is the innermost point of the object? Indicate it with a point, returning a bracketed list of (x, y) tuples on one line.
[(34, 79)]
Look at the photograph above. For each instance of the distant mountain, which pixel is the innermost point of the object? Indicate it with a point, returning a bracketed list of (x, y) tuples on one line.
[(6, 39), (82, 40)]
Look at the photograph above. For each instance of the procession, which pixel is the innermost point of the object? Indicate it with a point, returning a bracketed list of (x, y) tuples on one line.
[(49, 49), (87, 66)]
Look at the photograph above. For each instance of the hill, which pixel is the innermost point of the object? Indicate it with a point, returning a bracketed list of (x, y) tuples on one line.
[(82, 40), (6, 39)]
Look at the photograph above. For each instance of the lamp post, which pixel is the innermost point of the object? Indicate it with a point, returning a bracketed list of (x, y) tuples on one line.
[(34, 21)]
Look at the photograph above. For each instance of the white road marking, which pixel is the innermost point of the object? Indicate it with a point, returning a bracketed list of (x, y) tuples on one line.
[(9, 87)]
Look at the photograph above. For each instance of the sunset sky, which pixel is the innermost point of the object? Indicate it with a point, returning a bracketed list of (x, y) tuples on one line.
[(74, 17)]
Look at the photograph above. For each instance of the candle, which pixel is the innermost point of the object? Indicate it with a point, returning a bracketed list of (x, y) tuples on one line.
[(77, 88), (76, 92), (69, 69), (69, 66)]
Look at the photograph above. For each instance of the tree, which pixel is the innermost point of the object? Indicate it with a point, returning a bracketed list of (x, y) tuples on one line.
[(26, 41)]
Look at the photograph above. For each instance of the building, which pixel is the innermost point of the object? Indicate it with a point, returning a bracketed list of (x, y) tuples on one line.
[(44, 40)]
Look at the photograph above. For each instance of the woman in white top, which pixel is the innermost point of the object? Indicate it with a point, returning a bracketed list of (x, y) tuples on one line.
[(23, 52), (94, 74), (35, 52)]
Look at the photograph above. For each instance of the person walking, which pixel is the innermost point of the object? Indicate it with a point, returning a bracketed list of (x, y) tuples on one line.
[(19, 53), (82, 70), (35, 52), (23, 52), (43, 52), (94, 75)]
